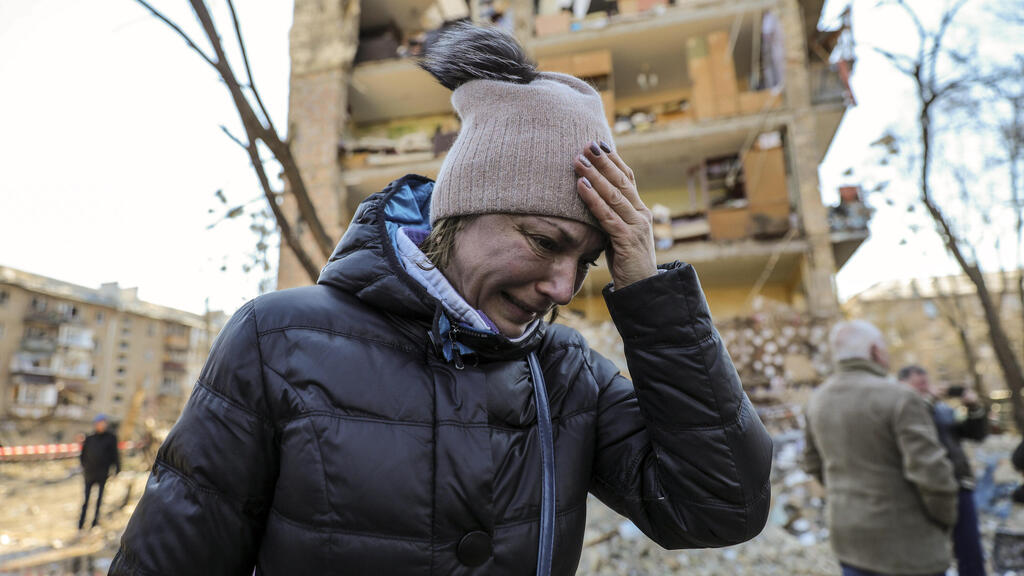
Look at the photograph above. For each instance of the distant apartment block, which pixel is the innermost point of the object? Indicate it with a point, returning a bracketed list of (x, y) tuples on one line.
[(68, 352)]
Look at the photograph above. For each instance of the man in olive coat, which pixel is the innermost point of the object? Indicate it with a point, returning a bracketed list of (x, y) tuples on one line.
[(892, 495)]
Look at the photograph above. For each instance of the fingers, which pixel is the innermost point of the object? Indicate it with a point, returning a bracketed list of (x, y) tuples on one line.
[(601, 208), (617, 160), (613, 181), (615, 170)]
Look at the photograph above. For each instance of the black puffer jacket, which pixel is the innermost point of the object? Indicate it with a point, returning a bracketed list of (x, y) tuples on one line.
[(327, 435)]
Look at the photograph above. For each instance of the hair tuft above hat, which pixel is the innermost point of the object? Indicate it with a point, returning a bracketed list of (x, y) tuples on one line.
[(462, 52)]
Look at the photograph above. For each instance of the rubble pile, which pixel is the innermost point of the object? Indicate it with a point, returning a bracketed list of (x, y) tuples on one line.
[(777, 348), (613, 546), (602, 337)]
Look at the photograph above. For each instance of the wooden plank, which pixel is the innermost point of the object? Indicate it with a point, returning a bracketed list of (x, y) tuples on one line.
[(703, 101), (769, 219), (653, 98), (729, 223), (756, 102), (593, 63), (723, 74), (629, 6), (608, 100), (52, 555), (764, 174), (550, 24), (703, 93), (561, 64)]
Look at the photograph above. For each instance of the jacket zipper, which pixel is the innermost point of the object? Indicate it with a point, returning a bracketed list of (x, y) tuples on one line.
[(453, 332)]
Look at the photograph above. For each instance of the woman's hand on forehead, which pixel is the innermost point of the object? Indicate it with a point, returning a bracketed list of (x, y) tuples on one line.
[(608, 188)]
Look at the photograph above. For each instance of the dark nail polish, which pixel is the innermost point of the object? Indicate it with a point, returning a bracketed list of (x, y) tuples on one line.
[(606, 147), (586, 182), (595, 149), (584, 161)]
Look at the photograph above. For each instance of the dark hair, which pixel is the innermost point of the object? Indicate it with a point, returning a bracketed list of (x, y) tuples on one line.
[(463, 51), (439, 245), (907, 371)]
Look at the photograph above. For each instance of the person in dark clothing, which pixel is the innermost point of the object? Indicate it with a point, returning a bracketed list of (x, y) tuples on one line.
[(1017, 459), (99, 455), (413, 412), (970, 557)]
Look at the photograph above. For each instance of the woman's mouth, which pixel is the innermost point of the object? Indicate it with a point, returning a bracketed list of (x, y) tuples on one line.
[(525, 310)]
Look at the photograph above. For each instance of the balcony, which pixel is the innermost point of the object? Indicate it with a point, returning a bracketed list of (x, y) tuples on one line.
[(35, 396), (828, 96), (29, 411), (76, 338), (38, 364), (826, 85), (174, 367), (78, 372), (36, 344), (629, 30), (176, 342), (46, 318)]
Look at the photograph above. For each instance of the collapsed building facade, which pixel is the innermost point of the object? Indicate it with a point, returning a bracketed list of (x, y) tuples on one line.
[(723, 109)]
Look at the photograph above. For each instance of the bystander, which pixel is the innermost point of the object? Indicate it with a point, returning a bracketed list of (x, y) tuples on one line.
[(890, 489), (952, 429), (99, 454)]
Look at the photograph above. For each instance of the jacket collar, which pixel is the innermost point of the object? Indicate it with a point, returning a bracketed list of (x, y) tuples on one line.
[(862, 365)]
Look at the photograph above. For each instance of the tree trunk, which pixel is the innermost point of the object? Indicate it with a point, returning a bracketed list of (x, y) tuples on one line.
[(957, 320), (972, 366), (1000, 343)]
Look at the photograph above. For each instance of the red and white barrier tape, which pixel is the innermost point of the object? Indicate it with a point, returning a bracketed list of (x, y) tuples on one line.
[(49, 451)]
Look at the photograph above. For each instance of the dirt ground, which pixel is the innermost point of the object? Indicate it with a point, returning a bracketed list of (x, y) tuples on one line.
[(41, 502), (39, 517)]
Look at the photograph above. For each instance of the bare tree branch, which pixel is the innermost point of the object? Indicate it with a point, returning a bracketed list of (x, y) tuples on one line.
[(235, 139), (929, 92), (904, 64), (256, 130), (922, 34), (177, 29), (948, 303), (248, 70), (933, 58), (287, 233)]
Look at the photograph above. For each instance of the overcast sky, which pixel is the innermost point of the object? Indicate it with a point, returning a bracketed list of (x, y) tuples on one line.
[(112, 152)]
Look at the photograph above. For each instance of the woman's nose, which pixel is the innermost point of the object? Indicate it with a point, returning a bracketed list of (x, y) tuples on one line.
[(559, 285)]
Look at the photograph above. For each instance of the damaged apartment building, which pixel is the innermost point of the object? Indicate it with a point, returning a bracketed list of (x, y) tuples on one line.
[(68, 352), (723, 108)]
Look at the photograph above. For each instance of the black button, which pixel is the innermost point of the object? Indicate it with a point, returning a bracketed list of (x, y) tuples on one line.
[(474, 548)]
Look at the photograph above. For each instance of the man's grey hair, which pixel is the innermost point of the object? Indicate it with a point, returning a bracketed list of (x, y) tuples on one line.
[(854, 339)]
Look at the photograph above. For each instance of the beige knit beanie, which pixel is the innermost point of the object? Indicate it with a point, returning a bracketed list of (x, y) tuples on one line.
[(521, 129)]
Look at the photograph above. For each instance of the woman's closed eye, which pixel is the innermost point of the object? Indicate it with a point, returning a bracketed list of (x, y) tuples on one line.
[(543, 243)]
